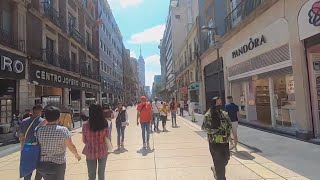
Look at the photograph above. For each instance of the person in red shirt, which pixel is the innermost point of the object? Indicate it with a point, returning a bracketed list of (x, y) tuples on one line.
[(144, 114)]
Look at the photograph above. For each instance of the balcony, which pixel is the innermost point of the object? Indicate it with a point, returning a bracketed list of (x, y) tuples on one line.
[(87, 72), (52, 14), (7, 39), (63, 62), (238, 14), (75, 34), (91, 49)]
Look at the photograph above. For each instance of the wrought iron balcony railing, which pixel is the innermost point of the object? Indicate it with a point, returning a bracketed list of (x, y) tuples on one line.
[(50, 57), (75, 34), (91, 49), (52, 14), (239, 13), (7, 39)]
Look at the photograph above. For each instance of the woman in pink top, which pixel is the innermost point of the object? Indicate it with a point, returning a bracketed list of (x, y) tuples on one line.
[(94, 134)]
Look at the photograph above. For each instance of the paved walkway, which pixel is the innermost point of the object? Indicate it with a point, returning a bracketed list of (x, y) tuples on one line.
[(180, 154)]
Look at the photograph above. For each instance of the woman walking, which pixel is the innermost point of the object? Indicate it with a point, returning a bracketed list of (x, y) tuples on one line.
[(122, 121), (108, 115), (54, 140), (164, 110), (94, 134)]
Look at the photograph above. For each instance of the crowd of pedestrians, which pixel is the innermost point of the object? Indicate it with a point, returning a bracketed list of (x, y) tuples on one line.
[(49, 128)]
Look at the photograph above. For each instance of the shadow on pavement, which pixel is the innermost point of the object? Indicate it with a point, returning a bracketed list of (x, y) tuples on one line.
[(253, 149), (145, 152), (119, 151), (243, 155)]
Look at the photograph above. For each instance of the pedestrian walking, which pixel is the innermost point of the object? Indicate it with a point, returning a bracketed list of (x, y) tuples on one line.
[(173, 109), (54, 140), (144, 117), (156, 113), (218, 127), (122, 122), (164, 110), (181, 107), (94, 134), (233, 112), (27, 131), (108, 115), (65, 117), (191, 111)]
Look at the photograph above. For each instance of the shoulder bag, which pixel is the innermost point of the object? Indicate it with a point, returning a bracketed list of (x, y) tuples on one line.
[(30, 154)]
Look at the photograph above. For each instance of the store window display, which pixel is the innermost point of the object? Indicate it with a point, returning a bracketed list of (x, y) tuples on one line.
[(284, 101)]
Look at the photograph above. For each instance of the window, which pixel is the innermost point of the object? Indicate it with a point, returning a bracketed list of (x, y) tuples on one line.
[(210, 34), (88, 37), (72, 20), (105, 67), (85, 3), (177, 16), (101, 65), (6, 19), (101, 44), (104, 47)]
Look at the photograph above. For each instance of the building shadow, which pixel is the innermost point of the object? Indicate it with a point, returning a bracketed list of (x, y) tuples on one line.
[(145, 151)]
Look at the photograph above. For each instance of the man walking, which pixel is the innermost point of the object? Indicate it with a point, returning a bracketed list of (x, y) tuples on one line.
[(181, 107), (144, 114), (173, 109), (27, 131), (233, 112), (156, 105), (218, 127)]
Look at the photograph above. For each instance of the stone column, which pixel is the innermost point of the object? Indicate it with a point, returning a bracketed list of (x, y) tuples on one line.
[(83, 99), (22, 100), (65, 98)]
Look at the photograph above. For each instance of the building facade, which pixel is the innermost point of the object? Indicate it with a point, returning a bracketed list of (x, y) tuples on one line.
[(136, 88), (111, 55), (269, 62), (141, 70)]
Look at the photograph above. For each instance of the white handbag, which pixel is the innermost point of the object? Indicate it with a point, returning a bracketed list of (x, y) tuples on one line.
[(109, 145)]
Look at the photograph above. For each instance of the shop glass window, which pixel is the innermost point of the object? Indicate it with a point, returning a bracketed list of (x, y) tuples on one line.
[(284, 104), (6, 110)]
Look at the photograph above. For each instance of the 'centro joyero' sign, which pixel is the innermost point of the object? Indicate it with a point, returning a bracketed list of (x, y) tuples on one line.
[(12, 66), (253, 43), (50, 77)]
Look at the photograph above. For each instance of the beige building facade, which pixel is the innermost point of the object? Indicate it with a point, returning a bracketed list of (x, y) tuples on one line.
[(270, 66)]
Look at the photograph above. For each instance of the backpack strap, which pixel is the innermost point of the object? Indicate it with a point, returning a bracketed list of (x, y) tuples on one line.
[(25, 135)]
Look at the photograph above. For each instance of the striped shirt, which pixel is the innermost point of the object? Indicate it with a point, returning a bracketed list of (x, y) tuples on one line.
[(95, 146)]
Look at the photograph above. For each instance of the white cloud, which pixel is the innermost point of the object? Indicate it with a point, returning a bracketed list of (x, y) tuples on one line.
[(151, 35), (150, 77), (133, 54), (125, 3), (154, 59)]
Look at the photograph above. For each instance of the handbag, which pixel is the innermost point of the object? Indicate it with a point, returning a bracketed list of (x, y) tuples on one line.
[(30, 155), (109, 145)]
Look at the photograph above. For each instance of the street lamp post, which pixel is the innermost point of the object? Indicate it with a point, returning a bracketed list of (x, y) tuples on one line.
[(216, 38)]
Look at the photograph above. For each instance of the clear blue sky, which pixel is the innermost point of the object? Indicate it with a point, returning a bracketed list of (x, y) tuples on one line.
[(142, 22)]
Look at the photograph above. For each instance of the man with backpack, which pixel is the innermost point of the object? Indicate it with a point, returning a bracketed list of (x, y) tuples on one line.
[(217, 125), (27, 131), (173, 108)]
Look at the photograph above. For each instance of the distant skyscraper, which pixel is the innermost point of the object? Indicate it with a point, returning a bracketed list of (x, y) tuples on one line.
[(141, 69)]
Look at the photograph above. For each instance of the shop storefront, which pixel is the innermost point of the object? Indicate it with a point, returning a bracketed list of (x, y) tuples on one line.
[(260, 78), (54, 87), (194, 92), (309, 34), (12, 73)]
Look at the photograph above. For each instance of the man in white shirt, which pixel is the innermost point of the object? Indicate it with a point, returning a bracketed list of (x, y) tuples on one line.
[(156, 105), (181, 108)]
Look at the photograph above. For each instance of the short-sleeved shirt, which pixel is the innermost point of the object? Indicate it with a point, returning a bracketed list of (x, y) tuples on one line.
[(95, 146), (232, 110), (156, 107), (52, 142), (145, 112), (25, 125)]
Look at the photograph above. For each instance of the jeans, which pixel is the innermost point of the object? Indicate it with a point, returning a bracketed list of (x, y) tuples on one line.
[(120, 132), (145, 126), (110, 129), (38, 176), (164, 121), (181, 111), (52, 171), (156, 117), (92, 168), (174, 118), (220, 154)]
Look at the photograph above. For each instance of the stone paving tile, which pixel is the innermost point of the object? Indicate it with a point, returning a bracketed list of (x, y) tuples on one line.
[(286, 173), (148, 174), (262, 171)]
